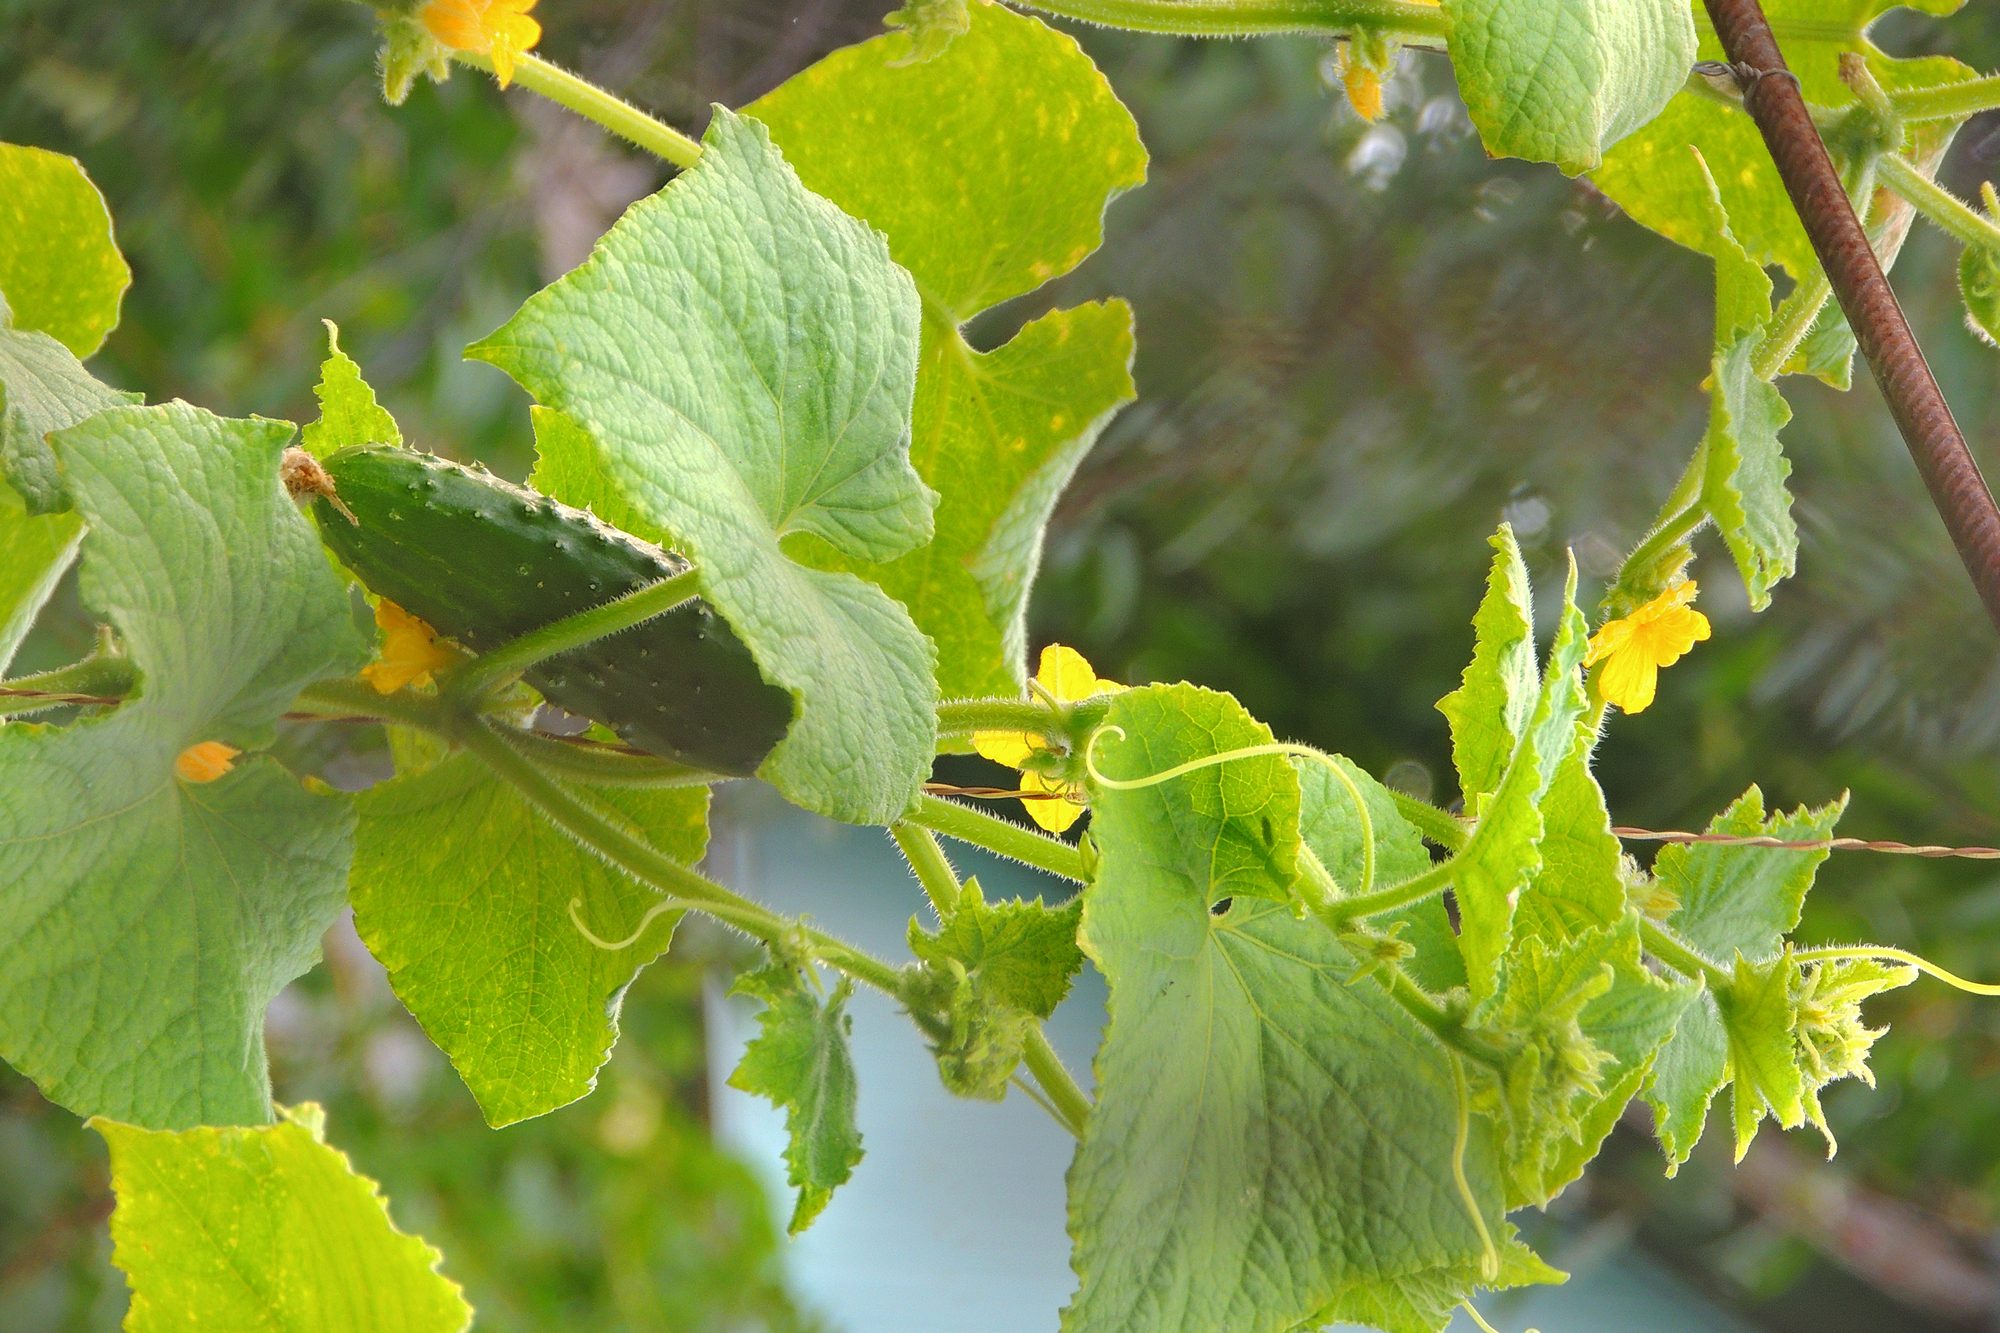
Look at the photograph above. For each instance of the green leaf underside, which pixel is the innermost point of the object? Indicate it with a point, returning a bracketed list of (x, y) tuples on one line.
[(1686, 1076), (1503, 854), (1745, 900), (60, 269), (1332, 829), (1744, 489), (462, 890), (43, 388), (265, 1228), (801, 1062), (149, 921), (988, 168), (1652, 176), (1270, 1143), (348, 412), (1490, 708), (737, 358), (1562, 80)]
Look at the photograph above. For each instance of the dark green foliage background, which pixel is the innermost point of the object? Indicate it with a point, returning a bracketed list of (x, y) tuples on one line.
[(1359, 348)]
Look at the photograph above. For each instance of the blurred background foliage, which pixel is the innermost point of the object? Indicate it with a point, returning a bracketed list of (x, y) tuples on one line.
[(1360, 347)]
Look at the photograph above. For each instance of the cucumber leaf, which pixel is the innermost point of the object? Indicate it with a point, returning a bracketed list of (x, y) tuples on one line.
[(1247, 1092), (1490, 708), (1562, 80), (1579, 886), (801, 1062), (348, 412), (148, 921), (60, 268), (464, 892), (265, 1228), (1736, 899), (1652, 176), (738, 358), (988, 167)]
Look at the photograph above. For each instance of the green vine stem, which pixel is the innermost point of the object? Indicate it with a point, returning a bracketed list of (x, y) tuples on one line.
[(595, 104), (353, 697), (927, 861), (99, 678), (1439, 827), (1412, 890), (1409, 21), (999, 836), (1678, 954), (653, 867), (1903, 956), (963, 717), (503, 664), (1956, 217), (605, 766), (1071, 1104), (1949, 101)]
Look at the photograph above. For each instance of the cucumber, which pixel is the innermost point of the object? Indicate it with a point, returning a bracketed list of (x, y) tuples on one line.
[(484, 561)]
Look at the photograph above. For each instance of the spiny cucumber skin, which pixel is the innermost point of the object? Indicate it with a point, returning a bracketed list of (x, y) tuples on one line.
[(484, 561)]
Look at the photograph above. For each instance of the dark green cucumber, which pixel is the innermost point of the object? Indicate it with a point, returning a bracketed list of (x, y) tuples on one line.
[(485, 561)]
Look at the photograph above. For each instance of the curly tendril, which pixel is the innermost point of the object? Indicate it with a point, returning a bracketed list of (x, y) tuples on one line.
[(1279, 748)]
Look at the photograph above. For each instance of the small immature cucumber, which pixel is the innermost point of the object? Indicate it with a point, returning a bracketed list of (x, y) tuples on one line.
[(484, 561)]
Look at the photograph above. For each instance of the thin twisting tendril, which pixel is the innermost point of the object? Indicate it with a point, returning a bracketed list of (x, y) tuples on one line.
[(653, 913), (1489, 1257), (1280, 748), (1923, 965)]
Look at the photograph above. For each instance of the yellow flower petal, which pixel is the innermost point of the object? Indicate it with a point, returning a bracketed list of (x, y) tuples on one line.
[(1056, 816), (1634, 647), (410, 651), (205, 761), (1003, 747), (1364, 86), (1066, 674), (498, 29)]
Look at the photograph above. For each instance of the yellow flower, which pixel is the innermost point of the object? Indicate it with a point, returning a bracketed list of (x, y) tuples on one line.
[(1067, 678), (206, 761), (410, 651), (1633, 648), (498, 29), (1363, 83)]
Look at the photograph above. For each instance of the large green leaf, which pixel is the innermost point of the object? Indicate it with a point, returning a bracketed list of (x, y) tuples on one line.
[(60, 268), (1491, 706), (1504, 852), (265, 1228), (146, 922), (1736, 899), (1248, 1094), (988, 167), (1562, 80), (738, 358), (464, 891), (1688, 1073), (1744, 488), (1655, 179)]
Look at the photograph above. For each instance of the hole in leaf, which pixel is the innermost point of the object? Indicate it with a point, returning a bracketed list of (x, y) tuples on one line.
[(1220, 907)]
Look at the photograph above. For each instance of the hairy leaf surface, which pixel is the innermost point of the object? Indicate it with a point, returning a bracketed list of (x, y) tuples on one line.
[(738, 357), (800, 1061), (988, 166), (265, 1228), (463, 890), (148, 921)]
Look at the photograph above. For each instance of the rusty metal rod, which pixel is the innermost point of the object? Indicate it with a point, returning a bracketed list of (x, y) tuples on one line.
[(1773, 98)]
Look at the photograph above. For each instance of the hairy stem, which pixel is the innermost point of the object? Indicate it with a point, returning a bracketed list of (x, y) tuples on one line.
[(652, 867), (1956, 217), (1395, 20), (97, 679), (963, 717), (927, 861), (1412, 890), (604, 766), (1678, 954), (999, 836), (1440, 827), (1072, 1107), (354, 697), (1948, 101), (488, 670), (596, 105)]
